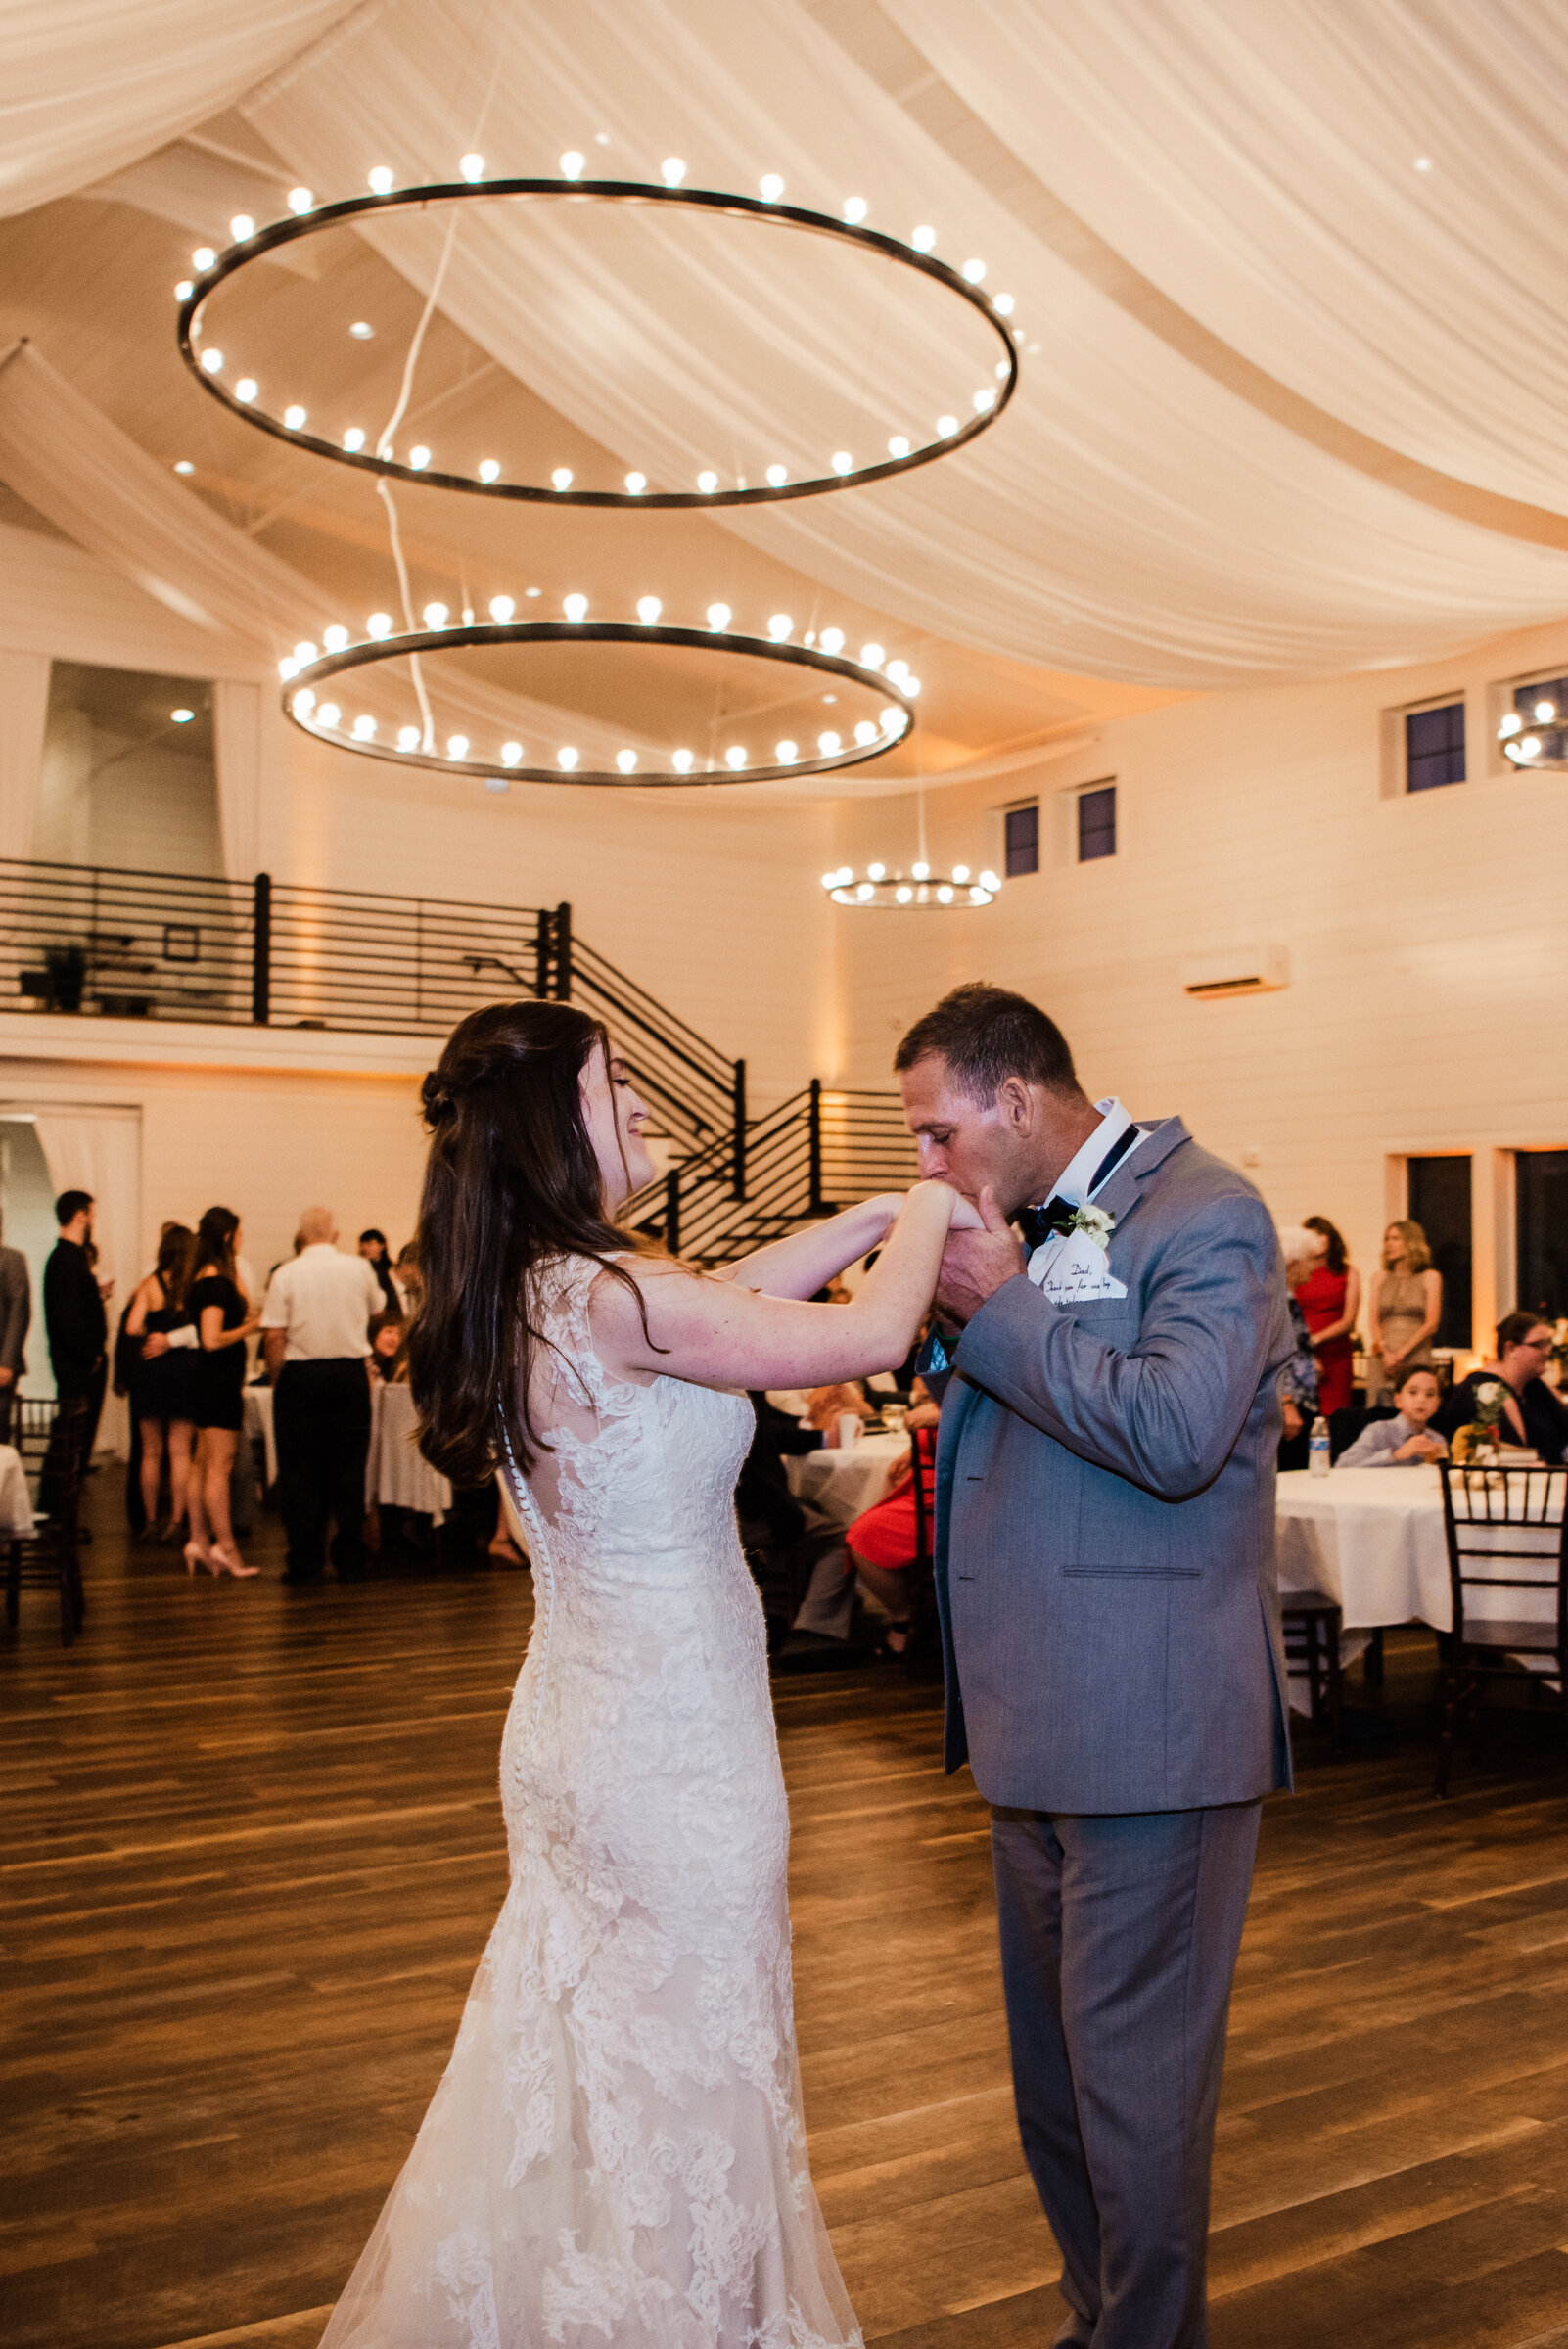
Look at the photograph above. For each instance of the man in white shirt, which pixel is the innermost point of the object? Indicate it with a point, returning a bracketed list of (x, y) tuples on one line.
[(317, 1337)]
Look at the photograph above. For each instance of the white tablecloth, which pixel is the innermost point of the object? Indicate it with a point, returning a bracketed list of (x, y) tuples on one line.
[(16, 1508), (397, 1472), (842, 1484), (258, 1422), (1372, 1538)]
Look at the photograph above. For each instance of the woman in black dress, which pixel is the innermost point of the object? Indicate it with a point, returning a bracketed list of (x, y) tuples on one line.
[(378, 1256), (162, 1381), (224, 1319)]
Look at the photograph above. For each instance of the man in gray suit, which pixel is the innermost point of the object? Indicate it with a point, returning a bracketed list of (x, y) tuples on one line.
[(16, 1313), (1105, 1574)]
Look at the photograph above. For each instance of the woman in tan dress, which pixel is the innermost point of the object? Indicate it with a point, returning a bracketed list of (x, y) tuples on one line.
[(1407, 1306)]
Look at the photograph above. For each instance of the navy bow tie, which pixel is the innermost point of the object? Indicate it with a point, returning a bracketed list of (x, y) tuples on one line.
[(1042, 1224)]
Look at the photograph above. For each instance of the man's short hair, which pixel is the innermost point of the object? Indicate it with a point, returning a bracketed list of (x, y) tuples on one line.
[(70, 1205), (1403, 1376), (986, 1034)]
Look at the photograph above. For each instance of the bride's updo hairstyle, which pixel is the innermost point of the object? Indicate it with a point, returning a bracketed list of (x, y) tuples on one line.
[(512, 1179)]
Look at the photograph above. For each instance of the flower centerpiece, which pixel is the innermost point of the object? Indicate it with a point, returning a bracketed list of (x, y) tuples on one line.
[(1479, 1439)]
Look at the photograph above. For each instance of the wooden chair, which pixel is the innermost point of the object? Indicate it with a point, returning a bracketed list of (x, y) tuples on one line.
[(1488, 1517), (50, 1437), (1313, 1623)]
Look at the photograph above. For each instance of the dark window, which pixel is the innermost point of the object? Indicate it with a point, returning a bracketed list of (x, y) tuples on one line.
[(1433, 747), (1023, 839), (1097, 824), (1440, 1202), (1540, 1201)]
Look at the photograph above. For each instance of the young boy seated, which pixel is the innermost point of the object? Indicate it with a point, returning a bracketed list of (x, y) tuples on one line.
[(1405, 1440)]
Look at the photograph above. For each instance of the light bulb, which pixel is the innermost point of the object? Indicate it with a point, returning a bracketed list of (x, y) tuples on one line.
[(334, 638), (865, 891), (899, 445), (923, 239), (1003, 306), (960, 872), (435, 616), (212, 361), (876, 872), (777, 476), (1530, 748), (773, 187), (708, 482), (648, 608), (286, 665), (872, 655), (999, 370), (502, 608), (856, 209), (419, 458), (561, 479), (921, 870), (672, 170), (681, 762), (362, 331), (203, 257), (912, 686), (720, 617), (830, 880), (185, 289), (894, 719), (828, 744), (457, 746), (246, 389), (947, 425), (897, 669), (381, 180), (566, 759), (865, 732), (183, 465), (304, 653), (1510, 724), (831, 640), (626, 761), (945, 894), (409, 738), (842, 462), (571, 168), (904, 894), (979, 897), (842, 897), (300, 200), (471, 168), (1545, 712), (735, 755), (985, 400), (242, 226), (328, 714), (296, 416), (353, 439), (785, 752), (988, 880), (182, 717), (305, 700), (364, 728), (468, 615), (489, 470), (379, 624), (974, 272), (780, 625), (575, 608), (636, 484), (511, 754)]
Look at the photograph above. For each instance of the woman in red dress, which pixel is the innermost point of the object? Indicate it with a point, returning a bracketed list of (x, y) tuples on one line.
[(1331, 1297), (884, 1540)]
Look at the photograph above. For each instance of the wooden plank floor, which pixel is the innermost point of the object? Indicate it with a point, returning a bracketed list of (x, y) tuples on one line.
[(254, 1848)]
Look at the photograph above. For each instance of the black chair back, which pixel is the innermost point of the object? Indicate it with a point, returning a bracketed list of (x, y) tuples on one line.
[(1507, 1536), (1347, 1423)]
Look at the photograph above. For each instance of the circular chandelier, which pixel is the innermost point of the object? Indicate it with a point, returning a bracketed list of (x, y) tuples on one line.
[(482, 477), (1535, 732), (415, 745), (878, 889)]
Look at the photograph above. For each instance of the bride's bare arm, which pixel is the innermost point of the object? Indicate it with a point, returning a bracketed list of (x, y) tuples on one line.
[(722, 1335), (804, 1261)]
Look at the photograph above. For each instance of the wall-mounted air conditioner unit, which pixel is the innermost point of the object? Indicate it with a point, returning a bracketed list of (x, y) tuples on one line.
[(1237, 970)]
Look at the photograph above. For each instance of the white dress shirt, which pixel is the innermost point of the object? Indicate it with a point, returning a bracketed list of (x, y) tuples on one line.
[(324, 1301)]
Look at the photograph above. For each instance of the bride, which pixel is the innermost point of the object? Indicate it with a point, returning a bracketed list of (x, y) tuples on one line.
[(616, 2151)]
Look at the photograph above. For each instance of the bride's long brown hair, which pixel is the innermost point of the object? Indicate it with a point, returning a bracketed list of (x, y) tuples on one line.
[(511, 1178)]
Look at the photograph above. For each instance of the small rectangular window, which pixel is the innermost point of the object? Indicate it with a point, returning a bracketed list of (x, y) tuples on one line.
[(1433, 747), (1097, 824), (1023, 839)]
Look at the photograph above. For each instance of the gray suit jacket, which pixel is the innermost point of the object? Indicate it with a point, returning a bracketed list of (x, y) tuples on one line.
[(1105, 1512), (15, 1309)]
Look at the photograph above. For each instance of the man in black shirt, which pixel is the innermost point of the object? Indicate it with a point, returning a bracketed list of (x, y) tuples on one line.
[(74, 1320)]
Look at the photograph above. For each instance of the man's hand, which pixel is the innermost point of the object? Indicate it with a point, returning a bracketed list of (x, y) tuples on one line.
[(975, 1265)]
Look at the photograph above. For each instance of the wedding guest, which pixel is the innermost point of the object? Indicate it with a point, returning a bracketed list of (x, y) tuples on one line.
[(1407, 1439), (389, 1355), (163, 1392), (76, 1324), (224, 1319), (315, 1331), (16, 1317), (1298, 1382), (884, 1540), (825, 1404), (377, 1255), (1407, 1306), (1533, 1416), (1331, 1297)]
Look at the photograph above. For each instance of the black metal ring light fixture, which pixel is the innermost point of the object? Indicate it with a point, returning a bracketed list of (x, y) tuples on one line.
[(206, 364), (303, 702)]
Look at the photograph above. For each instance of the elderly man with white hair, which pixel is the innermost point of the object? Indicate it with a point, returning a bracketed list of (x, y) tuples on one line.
[(1297, 1381), (315, 1333)]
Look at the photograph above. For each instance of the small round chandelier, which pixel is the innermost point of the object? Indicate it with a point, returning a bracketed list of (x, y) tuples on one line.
[(243, 393), (1534, 734), (920, 889)]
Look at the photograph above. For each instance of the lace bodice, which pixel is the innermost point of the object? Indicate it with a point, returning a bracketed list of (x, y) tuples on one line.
[(616, 2152)]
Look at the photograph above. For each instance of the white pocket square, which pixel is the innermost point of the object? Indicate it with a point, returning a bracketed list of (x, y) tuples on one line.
[(1073, 1270)]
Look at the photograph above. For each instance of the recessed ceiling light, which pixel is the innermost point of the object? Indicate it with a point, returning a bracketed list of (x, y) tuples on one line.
[(362, 331), (182, 717), (184, 465)]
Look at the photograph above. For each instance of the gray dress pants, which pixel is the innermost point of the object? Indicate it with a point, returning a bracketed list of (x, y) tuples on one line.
[(1118, 1941)]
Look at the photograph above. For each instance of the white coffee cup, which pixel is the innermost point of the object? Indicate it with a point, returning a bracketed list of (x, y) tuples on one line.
[(849, 1424)]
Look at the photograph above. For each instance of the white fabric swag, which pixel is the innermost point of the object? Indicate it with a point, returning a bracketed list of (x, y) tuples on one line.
[(23, 710)]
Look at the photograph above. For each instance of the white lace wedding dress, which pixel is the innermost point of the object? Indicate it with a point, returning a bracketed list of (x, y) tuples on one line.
[(617, 2150)]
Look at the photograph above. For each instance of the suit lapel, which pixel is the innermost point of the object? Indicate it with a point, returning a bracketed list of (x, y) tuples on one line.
[(1124, 1187)]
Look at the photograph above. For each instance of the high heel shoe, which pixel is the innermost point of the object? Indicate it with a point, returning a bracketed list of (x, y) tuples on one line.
[(196, 1554), (220, 1562)]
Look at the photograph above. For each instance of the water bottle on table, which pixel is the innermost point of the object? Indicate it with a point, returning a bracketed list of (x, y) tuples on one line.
[(1317, 1460)]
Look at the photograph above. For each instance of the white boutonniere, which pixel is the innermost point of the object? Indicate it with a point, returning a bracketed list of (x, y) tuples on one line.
[(1096, 1226)]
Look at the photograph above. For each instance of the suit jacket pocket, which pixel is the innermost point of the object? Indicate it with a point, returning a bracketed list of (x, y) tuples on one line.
[(1157, 1570)]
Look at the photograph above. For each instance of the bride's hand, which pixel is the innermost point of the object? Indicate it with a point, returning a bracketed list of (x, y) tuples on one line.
[(966, 1216)]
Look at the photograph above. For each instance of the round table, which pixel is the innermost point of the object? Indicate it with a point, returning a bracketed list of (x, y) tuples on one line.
[(397, 1474), (1373, 1539), (16, 1508), (845, 1483)]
